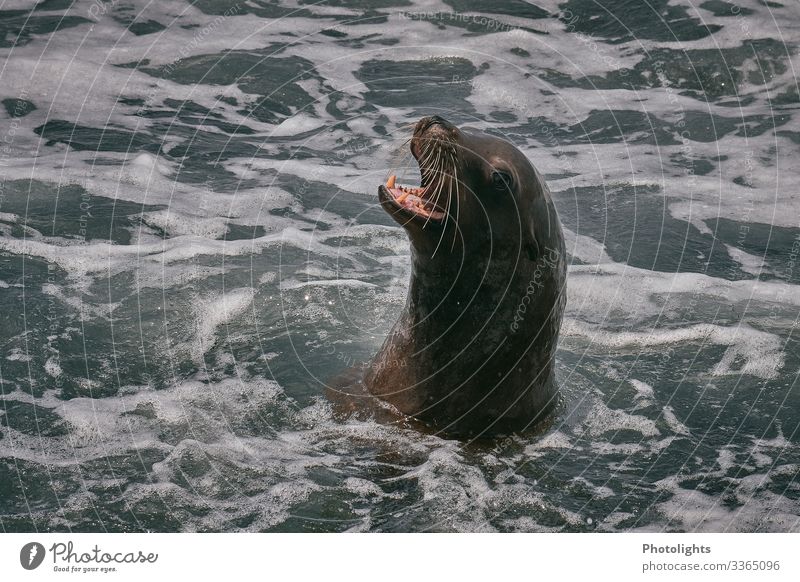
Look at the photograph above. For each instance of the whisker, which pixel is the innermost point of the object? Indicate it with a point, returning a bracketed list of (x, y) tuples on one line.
[(458, 205), (446, 212), (428, 170), (432, 172), (436, 194), (426, 155), (436, 204), (399, 159), (399, 153), (449, 204)]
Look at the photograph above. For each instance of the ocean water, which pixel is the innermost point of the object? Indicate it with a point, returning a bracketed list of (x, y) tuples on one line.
[(191, 246)]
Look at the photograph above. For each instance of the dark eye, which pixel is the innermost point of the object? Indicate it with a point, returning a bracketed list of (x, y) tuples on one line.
[(501, 181)]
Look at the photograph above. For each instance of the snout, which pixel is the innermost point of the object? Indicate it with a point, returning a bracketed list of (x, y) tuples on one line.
[(431, 128)]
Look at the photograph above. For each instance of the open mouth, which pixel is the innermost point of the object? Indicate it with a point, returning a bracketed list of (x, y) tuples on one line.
[(433, 146), (418, 202)]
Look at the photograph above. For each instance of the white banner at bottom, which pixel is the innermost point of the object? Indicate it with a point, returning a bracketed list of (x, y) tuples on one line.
[(400, 557)]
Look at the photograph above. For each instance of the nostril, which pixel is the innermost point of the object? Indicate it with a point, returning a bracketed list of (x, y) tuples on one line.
[(423, 124), (426, 122)]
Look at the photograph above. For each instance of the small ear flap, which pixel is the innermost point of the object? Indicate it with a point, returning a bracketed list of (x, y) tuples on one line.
[(532, 250)]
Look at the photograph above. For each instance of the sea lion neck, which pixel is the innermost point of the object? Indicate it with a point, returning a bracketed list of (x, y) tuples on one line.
[(440, 281), (457, 287)]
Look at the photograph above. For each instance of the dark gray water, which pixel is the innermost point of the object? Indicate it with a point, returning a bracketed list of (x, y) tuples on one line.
[(190, 246)]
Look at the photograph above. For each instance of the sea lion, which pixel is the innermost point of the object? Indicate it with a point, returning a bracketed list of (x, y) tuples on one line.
[(472, 352)]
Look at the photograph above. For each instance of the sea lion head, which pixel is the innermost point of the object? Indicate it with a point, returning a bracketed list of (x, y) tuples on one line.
[(478, 194)]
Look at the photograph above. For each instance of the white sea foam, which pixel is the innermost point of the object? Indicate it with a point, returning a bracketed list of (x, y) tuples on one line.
[(692, 510), (762, 352), (215, 312), (643, 389), (604, 420)]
